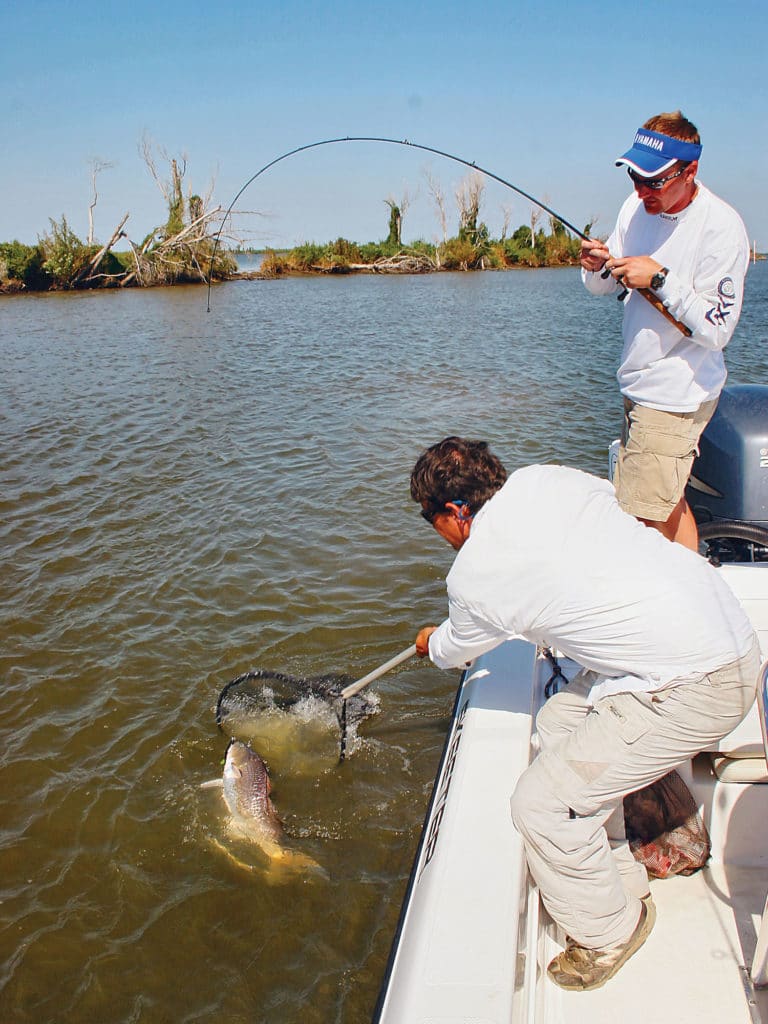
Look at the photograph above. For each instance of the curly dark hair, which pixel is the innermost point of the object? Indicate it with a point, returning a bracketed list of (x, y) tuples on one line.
[(456, 469)]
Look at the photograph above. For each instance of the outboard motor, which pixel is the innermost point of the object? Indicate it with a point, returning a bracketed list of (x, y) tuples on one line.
[(728, 488)]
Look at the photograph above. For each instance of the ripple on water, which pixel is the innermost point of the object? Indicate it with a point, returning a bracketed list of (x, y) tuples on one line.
[(185, 498)]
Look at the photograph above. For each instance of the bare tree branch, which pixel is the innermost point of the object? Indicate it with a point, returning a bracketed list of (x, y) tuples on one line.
[(97, 166), (469, 196), (178, 164), (438, 197), (87, 272), (535, 216), (506, 210)]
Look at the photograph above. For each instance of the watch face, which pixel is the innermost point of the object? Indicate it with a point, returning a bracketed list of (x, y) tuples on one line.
[(657, 281)]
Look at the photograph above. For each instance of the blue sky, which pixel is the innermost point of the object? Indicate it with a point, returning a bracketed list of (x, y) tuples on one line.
[(545, 95)]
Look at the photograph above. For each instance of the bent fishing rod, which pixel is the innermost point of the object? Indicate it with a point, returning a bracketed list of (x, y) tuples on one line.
[(647, 294)]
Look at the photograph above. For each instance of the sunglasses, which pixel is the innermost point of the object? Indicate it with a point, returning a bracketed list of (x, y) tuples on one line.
[(653, 183), (430, 513)]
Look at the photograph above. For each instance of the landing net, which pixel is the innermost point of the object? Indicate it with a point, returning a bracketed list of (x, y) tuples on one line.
[(292, 719)]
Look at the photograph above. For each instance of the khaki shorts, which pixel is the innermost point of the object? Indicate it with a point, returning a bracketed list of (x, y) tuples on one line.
[(655, 458)]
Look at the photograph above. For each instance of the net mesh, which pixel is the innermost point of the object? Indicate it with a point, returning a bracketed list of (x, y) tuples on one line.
[(299, 720)]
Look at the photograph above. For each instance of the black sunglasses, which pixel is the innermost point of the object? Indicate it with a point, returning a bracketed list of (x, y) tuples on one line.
[(653, 183)]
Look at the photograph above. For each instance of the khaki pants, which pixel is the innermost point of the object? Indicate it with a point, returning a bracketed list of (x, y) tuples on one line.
[(571, 796)]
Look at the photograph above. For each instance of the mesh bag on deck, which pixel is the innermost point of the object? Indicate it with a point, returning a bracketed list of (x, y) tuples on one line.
[(664, 828)]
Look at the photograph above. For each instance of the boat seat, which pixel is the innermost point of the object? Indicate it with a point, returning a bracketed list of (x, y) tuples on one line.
[(740, 768), (759, 970), (740, 756)]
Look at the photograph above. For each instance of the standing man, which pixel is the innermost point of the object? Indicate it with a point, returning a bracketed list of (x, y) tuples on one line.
[(690, 249), (670, 665)]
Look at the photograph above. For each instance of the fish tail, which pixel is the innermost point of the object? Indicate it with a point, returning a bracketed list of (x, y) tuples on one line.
[(232, 858), (284, 864)]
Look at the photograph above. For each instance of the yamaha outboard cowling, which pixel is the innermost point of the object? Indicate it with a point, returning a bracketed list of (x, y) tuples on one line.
[(728, 488)]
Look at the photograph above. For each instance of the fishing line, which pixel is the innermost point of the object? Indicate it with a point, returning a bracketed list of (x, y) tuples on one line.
[(392, 142)]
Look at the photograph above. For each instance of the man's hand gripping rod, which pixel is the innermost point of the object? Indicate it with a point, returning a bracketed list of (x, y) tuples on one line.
[(654, 300)]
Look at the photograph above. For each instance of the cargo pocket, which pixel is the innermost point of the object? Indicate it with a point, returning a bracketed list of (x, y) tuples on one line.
[(672, 446), (628, 725), (664, 464)]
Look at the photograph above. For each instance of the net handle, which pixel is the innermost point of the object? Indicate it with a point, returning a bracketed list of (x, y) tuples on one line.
[(356, 687)]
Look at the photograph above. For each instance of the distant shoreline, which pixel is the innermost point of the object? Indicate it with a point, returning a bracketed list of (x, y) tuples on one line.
[(373, 271), (15, 287)]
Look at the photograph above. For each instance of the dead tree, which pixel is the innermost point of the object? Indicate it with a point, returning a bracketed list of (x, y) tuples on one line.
[(397, 212), (507, 212), (183, 256), (181, 249), (469, 196), (535, 215), (97, 166), (401, 263), (88, 272), (438, 197), (171, 189)]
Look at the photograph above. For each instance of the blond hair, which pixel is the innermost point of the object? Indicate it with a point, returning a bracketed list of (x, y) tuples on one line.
[(676, 125)]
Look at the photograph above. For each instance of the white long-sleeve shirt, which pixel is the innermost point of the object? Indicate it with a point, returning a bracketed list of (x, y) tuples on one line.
[(706, 249), (553, 559)]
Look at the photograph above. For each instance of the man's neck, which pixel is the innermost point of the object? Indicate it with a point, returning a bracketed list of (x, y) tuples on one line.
[(686, 201)]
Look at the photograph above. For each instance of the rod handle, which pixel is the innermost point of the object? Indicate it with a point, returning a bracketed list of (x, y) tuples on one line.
[(656, 302)]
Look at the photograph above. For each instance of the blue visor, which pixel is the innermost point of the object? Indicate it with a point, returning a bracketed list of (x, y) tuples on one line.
[(653, 153)]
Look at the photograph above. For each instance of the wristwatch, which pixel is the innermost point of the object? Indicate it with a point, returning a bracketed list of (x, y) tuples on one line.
[(658, 279)]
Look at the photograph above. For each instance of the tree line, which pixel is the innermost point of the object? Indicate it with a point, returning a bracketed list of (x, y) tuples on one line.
[(471, 248), (468, 250), (184, 249)]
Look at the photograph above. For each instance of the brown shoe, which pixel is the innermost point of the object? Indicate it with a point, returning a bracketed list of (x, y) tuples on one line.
[(581, 969)]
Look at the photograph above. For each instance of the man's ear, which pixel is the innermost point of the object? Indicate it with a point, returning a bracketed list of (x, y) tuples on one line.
[(458, 511)]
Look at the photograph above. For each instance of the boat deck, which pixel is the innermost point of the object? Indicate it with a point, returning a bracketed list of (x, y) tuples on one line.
[(474, 940), (693, 966)]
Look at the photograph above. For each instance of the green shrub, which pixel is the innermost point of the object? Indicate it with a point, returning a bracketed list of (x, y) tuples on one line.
[(125, 260), (343, 252), (306, 256), (65, 255), (522, 237), (110, 264), (458, 254), (23, 263), (495, 256), (372, 251), (422, 248), (273, 265)]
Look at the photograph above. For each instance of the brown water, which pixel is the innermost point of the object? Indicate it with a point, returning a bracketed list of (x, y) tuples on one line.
[(187, 496)]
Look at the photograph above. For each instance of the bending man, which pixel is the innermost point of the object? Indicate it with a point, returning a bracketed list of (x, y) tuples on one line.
[(670, 665), (678, 239)]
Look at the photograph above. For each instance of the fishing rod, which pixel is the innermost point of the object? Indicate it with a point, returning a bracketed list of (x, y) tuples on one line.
[(647, 294)]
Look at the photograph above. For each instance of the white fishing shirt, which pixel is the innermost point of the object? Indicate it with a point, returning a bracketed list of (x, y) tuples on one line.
[(553, 559), (706, 249)]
